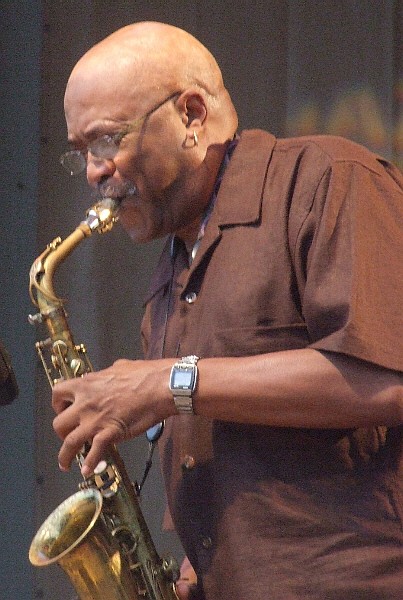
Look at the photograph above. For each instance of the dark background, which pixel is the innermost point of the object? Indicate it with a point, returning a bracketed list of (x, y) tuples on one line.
[(292, 67)]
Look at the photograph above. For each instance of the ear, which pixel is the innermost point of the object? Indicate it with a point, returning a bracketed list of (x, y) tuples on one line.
[(193, 108)]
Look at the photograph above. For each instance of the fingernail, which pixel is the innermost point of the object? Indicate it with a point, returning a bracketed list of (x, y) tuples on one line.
[(85, 471), (62, 468)]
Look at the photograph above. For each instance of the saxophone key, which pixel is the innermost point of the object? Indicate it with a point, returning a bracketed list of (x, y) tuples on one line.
[(106, 479)]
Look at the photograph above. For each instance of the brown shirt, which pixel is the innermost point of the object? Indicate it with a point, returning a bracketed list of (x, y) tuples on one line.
[(303, 249)]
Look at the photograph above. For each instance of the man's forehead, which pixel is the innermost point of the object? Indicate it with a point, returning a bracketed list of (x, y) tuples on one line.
[(125, 83), (94, 73), (94, 110)]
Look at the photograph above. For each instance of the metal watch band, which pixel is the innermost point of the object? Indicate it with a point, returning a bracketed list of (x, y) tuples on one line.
[(182, 383), (184, 404)]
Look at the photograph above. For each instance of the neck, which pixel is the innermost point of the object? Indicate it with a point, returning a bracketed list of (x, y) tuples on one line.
[(188, 234)]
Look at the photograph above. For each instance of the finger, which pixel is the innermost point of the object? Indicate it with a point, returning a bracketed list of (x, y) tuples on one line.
[(98, 451), (66, 422), (62, 397), (182, 589), (71, 446)]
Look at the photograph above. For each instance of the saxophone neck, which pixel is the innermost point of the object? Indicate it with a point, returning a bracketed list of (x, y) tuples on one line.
[(101, 218)]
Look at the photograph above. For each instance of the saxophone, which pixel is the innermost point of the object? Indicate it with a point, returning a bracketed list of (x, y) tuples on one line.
[(98, 535)]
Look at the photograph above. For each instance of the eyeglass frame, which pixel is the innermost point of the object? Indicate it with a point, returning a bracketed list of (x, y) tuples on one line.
[(116, 138)]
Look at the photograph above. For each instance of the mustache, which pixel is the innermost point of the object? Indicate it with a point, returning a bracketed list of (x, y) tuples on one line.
[(117, 190)]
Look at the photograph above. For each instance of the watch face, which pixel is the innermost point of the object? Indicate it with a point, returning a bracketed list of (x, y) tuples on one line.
[(182, 379)]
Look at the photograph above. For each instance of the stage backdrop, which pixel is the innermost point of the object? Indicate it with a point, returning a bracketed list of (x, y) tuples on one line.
[(292, 67)]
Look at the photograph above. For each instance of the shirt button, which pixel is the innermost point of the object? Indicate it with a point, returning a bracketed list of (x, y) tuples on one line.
[(207, 542), (188, 462), (191, 297)]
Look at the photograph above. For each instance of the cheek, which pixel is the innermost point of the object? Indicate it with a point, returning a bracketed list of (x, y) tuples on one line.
[(153, 165), (163, 172)]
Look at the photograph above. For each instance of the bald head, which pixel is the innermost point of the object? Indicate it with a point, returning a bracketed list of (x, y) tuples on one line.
[(160, 91), (149, 61)]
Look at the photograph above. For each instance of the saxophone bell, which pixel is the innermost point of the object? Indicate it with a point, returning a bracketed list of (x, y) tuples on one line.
[(76, 537)]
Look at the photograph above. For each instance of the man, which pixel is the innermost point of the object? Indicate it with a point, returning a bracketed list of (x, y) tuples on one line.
[(282, 272)]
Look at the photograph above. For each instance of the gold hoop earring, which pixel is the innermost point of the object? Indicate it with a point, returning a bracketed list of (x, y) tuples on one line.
[(195, 138)]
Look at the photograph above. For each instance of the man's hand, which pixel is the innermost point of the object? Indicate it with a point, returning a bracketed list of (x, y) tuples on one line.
[(109, 406), (187, 580)]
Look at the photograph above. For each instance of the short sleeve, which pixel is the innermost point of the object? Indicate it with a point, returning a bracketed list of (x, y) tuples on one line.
[(352, 241)]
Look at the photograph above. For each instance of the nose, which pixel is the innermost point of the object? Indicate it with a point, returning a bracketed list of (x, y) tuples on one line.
[(98, 169)]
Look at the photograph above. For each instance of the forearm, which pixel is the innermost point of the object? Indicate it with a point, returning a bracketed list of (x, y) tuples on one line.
[(294, 388), (299, 388)]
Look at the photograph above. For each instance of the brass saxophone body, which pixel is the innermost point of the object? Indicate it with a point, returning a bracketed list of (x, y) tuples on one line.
[(99, 535)]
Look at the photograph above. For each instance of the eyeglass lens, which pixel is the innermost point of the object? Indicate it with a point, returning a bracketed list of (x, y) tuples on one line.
[(73, 161)]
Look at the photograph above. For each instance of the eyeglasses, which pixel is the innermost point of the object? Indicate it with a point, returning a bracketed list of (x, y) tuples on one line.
[(105, 147)]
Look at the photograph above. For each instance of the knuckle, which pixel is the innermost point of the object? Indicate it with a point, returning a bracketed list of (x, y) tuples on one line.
[(72, 443), (57, 426), (122, 429)]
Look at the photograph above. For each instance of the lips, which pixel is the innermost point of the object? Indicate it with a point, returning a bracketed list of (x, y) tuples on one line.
[(118, 191)]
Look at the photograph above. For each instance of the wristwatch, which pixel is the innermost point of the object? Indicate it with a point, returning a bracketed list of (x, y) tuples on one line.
[(182, 383)]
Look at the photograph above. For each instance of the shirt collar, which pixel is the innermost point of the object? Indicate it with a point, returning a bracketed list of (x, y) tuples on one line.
[(207, 213)]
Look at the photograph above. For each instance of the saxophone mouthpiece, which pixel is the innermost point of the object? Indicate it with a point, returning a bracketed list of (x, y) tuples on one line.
[(109, 203), (102, 216)]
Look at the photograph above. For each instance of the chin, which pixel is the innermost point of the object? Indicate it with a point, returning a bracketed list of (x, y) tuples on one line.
[(137, 231), (141, 227), (138, 234)]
